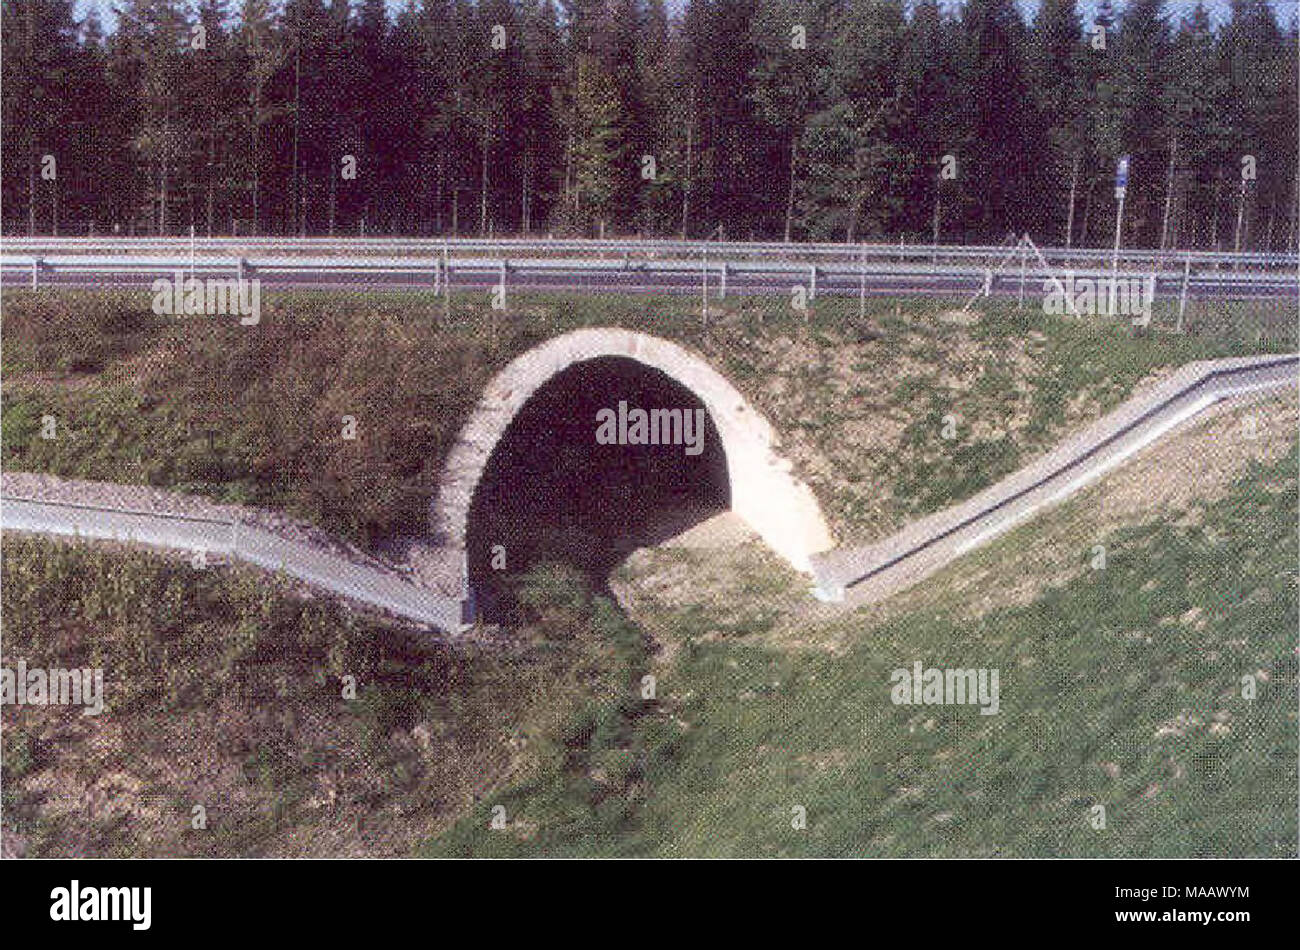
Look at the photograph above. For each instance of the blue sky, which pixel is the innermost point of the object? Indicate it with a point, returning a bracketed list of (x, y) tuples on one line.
[(1287, 9)]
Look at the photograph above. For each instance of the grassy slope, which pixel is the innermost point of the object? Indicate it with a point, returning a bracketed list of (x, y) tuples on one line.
[(226, 690), (255, 414), (1121, 688), (742, 731)]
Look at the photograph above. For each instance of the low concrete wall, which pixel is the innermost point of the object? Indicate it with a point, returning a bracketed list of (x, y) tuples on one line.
[(929, 543), (255, 545)]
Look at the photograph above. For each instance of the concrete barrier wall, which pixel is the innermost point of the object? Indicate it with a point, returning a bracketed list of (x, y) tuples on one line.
[(930, 542), (248, 543)]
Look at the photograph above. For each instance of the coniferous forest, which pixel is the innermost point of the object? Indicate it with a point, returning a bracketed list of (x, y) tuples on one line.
[(833, 120)]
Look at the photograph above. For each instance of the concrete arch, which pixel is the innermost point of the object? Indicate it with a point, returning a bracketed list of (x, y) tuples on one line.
[(780, 508)]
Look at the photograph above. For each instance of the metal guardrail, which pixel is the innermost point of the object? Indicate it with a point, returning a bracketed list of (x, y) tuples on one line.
[(759, 275), (919, 549), (1135, 258)]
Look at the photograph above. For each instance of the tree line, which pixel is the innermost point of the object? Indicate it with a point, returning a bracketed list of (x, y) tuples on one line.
[(845, 120)]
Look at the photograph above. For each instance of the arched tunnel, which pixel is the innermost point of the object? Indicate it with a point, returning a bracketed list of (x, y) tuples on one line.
[(552, 491)]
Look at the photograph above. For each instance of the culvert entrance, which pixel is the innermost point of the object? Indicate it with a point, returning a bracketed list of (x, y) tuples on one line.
[(576, 477)]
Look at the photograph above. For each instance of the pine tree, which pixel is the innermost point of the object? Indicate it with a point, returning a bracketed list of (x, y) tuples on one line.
[(38, 58), (1057, 79), (928, 127), (262, 54), (1000, 167), (599, 150), (794, 43)]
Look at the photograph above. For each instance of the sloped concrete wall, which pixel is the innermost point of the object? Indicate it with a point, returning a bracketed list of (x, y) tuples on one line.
[(781, 509)]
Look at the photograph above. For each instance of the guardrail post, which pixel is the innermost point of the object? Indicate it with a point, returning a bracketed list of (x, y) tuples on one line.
[(1020, 305), (1182, 296), (36, 272), (704, 284), (862, 282), (722, 290), (446, 284), (812, 281)]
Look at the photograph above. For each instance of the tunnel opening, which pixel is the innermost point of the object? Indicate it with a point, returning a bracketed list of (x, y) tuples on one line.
[(557, 489)]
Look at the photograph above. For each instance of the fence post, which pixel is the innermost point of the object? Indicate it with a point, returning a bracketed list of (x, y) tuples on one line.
[(722, 291), (704, 283), (812, 281), (862, 281), (1020, 305), (1182, 297), (446, 284)]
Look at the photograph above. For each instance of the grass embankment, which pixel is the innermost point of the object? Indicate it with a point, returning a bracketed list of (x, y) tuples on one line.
[(256, 414), (1122, 688), (227, 691)]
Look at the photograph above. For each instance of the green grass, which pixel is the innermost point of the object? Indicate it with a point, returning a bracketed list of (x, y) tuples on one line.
[(1102, 360), (739, 733), (1110, 694), (225, 687), (255, 414)]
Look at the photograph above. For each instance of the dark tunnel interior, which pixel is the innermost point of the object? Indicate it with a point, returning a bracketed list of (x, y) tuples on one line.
[(551, 492)]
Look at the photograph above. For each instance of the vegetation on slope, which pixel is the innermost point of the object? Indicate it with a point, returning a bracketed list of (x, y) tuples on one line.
[(256, 414), (229, 691), (1123, 688)]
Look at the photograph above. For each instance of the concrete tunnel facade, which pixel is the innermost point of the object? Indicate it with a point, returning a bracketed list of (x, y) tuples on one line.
[(763, 490)]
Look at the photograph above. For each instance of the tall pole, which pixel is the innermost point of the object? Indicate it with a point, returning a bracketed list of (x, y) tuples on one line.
[(1182, 296), (1023, 252), (1121, 190), (1114, 259), (296, 207), (1169, 193), (704, 283)]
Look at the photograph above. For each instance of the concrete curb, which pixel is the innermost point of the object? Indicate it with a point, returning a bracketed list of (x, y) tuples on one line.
[(239, 540), (931, 542)]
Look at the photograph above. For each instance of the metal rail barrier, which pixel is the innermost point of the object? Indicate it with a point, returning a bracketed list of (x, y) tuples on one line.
[(1135, 258), (743, 275)]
